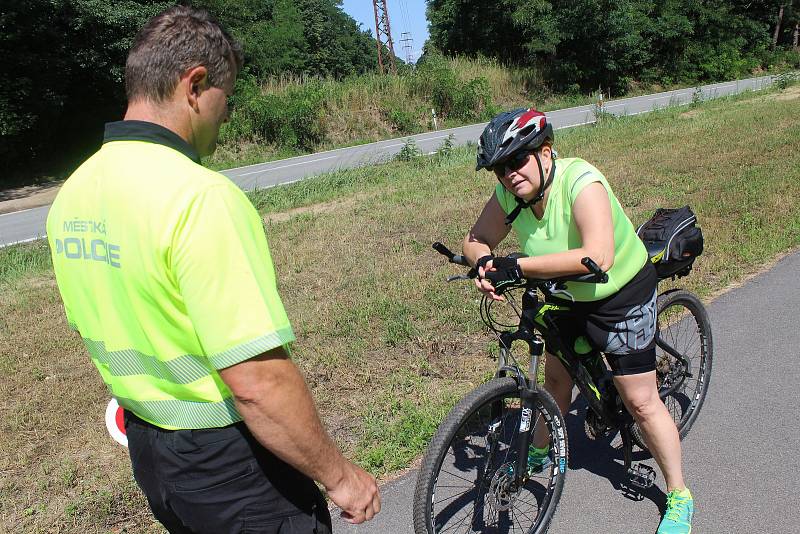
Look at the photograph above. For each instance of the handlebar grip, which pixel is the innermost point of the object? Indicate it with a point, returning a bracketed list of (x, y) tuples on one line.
[(443, 250), (598, 273)]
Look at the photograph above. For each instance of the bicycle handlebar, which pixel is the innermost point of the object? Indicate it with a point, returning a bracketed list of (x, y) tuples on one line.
[(453, 258), (595, 274)]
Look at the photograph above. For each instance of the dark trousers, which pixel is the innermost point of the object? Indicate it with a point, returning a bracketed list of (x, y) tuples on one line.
[(220, 481)]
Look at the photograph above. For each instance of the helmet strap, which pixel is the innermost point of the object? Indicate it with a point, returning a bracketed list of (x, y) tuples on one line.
[(543, 185)]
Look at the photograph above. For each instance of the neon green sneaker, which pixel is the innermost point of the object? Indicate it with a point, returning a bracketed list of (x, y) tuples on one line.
[(538, 459), (678, 517)]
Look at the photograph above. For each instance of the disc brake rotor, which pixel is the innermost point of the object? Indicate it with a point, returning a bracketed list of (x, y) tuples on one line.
[(502, 489)]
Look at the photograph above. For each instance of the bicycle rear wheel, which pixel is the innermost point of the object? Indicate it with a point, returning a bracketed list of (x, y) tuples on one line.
[(683, 328), (465, 483)]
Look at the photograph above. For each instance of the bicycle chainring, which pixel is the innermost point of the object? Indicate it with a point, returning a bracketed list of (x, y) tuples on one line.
[(592, 426)]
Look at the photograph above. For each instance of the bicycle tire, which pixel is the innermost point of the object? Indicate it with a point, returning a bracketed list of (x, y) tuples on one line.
[(480, 433), (682, 313)]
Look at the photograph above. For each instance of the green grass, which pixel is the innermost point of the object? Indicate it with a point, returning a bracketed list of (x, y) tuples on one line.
[(23, 260), (385, 344)]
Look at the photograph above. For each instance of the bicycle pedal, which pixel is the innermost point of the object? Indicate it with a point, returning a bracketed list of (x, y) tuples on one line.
[(642, 476)]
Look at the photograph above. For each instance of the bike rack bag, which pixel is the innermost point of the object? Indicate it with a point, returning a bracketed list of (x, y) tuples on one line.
[(673, 240)]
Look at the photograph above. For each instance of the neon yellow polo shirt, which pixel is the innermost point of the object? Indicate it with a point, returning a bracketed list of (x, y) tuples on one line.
[(164, 269), (557, 231)]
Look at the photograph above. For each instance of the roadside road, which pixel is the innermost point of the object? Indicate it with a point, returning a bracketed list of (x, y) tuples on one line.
[(741, 457), (29, 225)]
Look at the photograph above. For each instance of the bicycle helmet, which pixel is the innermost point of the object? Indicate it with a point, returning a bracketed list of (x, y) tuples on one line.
[(509, 133)]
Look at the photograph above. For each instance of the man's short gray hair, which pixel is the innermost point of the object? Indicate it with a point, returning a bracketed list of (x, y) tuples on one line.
[(173, 42)]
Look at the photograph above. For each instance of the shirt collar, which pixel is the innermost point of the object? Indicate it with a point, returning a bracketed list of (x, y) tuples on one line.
[(151, 133)]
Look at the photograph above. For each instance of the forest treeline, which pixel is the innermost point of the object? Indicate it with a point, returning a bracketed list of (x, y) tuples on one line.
[(612, 43), (63, 61)]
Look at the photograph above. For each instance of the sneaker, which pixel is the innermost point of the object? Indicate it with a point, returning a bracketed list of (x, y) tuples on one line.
[(538, 459), (678, 517)]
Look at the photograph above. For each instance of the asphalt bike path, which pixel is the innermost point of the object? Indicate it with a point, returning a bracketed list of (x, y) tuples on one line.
[(741, 457), (29, 225)]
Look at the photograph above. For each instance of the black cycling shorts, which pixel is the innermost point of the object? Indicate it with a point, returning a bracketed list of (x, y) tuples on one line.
[(622, 325)]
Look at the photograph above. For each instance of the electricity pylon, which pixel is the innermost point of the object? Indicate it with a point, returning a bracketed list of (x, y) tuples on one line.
[(383, 36)]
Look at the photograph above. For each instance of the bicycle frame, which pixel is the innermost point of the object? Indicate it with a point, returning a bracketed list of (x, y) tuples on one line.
[(538, 318)]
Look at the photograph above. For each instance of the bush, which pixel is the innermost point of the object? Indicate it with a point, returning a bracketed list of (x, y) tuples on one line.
[(409, 152), (447, 146), (785, 79), (452, 98), (294, 118), (403, 120)]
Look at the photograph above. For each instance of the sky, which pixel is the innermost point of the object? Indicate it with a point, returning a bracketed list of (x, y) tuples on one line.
[(405, 16)]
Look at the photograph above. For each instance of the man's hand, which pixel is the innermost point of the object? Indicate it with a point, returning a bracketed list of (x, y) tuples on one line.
[(277, 407), (356, 494)]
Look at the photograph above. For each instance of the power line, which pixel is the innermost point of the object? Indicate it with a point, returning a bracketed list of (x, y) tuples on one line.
[(408, 46), (407, 22), (404, 14)]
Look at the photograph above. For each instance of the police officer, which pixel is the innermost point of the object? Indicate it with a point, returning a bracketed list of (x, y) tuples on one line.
[(164, 270)]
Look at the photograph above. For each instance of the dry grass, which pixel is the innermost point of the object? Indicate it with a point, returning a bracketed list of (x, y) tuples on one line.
[(386, 346), (61, 473), (371, 107), (789, 94)]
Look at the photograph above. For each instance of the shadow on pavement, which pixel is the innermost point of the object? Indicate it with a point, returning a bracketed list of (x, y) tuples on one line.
[(604, 457)]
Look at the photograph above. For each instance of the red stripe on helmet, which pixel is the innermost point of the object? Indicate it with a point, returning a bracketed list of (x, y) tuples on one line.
[(526, 117)]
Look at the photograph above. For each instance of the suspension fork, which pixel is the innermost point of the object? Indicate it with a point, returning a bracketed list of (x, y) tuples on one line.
[(529, 395)]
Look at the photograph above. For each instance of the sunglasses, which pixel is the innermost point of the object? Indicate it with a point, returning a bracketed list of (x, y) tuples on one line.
[(513, 163)]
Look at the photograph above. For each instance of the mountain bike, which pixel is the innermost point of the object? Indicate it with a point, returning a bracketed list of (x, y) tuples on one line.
[(475, 475)]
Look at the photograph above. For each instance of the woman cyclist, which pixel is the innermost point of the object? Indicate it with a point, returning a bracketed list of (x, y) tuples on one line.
[(563, 210)]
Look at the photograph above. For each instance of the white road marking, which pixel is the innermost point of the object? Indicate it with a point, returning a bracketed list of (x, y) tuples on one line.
[(262, 171), (22, 211), (2, 245)]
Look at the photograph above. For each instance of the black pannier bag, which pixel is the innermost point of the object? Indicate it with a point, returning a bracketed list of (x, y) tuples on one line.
[(673, 240)]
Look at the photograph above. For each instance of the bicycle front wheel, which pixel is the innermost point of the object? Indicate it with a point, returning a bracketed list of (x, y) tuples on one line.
[(467, 479), (684, 354)]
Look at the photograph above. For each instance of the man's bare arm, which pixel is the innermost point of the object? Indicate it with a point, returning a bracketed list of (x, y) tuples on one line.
[(275, 403)]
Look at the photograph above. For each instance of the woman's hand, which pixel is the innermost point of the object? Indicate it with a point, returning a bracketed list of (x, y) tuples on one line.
[(483, 284)]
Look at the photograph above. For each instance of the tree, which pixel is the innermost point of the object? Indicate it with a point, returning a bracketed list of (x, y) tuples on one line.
[(510, 30), (778, 26), (65, 62), (302, 37), (611, 42)]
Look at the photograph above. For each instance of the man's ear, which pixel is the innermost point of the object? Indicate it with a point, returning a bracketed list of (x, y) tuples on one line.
[(195, 81)]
